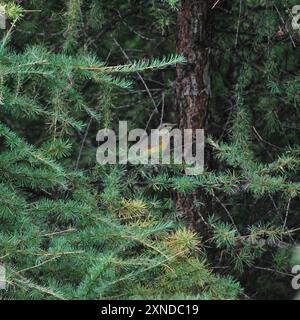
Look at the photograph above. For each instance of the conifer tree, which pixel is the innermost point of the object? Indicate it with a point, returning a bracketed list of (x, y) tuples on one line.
[(72, 229)]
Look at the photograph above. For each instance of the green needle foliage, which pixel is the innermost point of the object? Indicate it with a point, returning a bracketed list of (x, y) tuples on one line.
[(67, 233)]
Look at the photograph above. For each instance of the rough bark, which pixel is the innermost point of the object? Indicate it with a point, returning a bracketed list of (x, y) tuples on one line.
[(193, 81)]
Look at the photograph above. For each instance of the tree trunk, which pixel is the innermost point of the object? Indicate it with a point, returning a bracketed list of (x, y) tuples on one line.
[(193, 81)]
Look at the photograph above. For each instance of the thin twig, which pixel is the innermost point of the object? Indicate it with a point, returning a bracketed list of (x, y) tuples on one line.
[(273, 270), (83, 141), (140, 77), (287, 213), (215, 4), (29, 11), (58, 232), (227, 121), (238, 25), (162, 109), (131, 29), (263, 140), (273, 202), (36, 266), (285, 26), (228, 213), (88, 126)]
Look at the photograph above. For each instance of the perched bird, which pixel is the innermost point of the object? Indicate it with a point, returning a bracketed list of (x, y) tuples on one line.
[(163, 132), (156, 147)]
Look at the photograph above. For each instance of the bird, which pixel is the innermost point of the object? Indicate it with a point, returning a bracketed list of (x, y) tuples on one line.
[(160, 142), (159, 134)]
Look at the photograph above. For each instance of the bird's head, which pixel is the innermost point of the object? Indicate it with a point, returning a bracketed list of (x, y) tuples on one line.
[(166, 127)]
